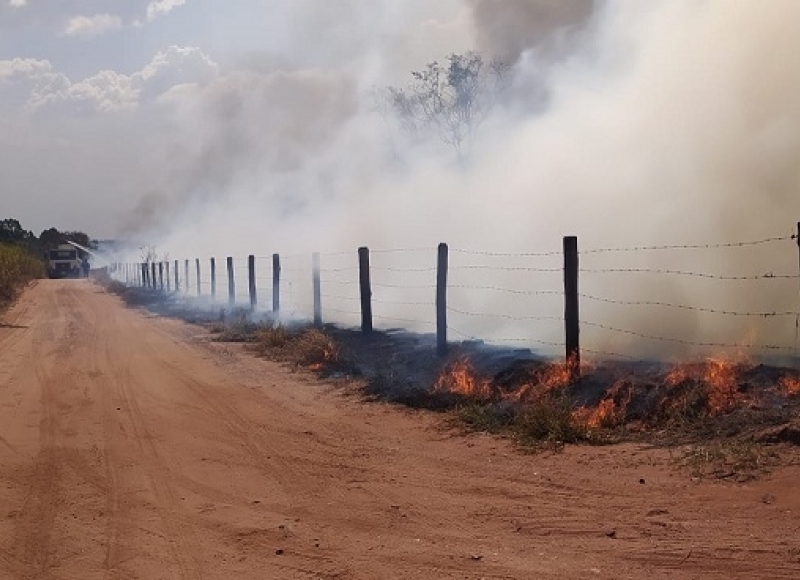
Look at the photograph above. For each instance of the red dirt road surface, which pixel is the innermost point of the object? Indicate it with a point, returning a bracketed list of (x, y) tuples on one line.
[(133, 447)]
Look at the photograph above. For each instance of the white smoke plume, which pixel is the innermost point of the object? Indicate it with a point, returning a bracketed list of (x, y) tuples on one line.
[(626, 123)]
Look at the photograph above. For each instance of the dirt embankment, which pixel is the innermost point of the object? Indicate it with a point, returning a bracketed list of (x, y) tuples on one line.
[(134, 447)]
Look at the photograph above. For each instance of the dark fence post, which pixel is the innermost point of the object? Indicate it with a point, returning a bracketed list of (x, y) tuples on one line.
[(167, 275), (213, 279), (161, 276), (366, 290), (441, 300), (153, 277), (177, 277), (317, 288), (197, 268), (276, 283), (143, 268), (251, 278), (571, 319), (231, 284)]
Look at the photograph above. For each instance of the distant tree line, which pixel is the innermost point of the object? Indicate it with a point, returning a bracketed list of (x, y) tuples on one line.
[(12, 232)]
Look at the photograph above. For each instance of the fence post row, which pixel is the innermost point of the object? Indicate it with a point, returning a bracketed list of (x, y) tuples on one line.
[(317, 288), (231, 283), (213, 278), (276, 283), (251, 278), (571, 319), (365, 290)]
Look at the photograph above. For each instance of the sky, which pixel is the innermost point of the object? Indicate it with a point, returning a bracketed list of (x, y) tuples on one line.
[(207, 128)]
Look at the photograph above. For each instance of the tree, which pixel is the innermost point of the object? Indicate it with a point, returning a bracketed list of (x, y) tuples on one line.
[(51, 238), (452, 100), (11, 231)]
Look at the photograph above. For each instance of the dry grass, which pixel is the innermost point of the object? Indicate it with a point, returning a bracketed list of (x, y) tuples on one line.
[(17, 268), (310, 347), (738, 459), (548, 420)]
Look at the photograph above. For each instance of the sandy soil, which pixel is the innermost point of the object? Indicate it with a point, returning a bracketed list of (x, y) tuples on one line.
[(133, 447)]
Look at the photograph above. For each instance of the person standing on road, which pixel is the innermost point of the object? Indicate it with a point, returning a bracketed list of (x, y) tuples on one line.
[(86, 267)]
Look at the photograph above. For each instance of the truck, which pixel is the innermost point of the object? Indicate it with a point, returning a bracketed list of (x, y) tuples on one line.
[(64, 262)]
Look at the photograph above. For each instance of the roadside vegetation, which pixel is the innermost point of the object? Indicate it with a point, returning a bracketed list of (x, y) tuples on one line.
[(22, 255), (17, 267)]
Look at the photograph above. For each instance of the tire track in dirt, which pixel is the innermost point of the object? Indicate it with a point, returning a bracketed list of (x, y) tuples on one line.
[(127, 435)]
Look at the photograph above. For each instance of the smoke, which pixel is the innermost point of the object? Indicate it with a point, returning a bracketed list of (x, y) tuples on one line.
[(508, 28), (627, 124)]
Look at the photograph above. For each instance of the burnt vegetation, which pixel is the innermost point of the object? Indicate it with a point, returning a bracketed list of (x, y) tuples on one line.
[(723, 416)]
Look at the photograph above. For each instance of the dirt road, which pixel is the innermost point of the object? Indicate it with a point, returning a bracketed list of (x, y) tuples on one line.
[(133, 447)]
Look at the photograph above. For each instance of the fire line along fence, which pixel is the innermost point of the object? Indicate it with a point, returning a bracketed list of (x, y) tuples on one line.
[(571, 300)]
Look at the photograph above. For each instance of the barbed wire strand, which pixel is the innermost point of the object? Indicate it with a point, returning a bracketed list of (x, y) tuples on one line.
[(504, 316), (767, 276), (691, 246), (687, 307), (684, 342), (508, 290)]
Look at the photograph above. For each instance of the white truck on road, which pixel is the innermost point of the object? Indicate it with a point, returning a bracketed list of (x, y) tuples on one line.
[(64, 262)]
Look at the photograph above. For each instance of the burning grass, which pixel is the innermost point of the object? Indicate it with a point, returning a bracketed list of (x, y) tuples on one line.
[(543, 403), (690, 402)]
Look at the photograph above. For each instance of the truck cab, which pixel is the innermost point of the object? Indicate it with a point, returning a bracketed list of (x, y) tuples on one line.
[(64, 262)]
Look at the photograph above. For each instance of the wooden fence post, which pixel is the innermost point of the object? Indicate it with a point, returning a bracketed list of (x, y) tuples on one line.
[(177, 277), (143, 268), (276, 283), (197, 268), (153, 277), (317, 288), (213, 279), (251, 276), (365, 290), (167, 275), (441, 300), (571, 318), (231, 284), (161, 276)]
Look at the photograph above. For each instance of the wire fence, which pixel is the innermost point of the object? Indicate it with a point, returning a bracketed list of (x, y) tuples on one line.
[(643, 300)]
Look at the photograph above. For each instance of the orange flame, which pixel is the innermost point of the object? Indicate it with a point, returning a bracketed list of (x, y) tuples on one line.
[(460, 378), (719, 376), (791, 385), (610, 411)]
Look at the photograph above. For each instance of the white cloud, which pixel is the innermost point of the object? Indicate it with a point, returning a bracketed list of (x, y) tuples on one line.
[(24, 81), (91, 26), (17, 3), (160, 7), (34, 84)]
